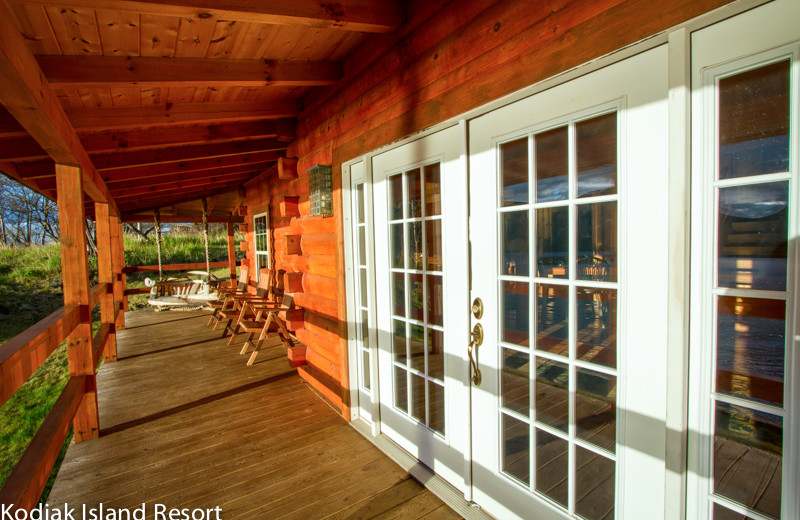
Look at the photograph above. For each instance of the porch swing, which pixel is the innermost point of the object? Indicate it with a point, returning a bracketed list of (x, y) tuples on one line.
[(192, 290)]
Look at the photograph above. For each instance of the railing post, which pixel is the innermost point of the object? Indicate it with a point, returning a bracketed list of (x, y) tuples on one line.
[(117, 263), (231, 254), (105, 275), (75, 276)]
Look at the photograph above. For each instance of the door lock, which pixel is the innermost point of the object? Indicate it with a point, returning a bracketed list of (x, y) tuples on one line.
[(477, 308)]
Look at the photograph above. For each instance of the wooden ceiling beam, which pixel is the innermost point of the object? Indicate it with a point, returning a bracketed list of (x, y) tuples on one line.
[(380, 16), (250, 162), (179, 218), (139, 204), (110, 161), (146, 72), (28, 97), (140, 116), (179, 187)]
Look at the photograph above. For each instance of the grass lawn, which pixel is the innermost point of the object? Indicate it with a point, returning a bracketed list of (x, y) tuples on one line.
[(30, 289)]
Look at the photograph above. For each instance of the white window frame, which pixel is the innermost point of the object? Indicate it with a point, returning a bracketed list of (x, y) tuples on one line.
[(256, 251)]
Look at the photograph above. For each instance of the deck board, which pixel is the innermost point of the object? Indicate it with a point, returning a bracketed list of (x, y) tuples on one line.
[(185, 423)]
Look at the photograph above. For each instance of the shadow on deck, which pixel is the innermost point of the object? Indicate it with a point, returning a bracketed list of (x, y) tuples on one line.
[(186, 424)]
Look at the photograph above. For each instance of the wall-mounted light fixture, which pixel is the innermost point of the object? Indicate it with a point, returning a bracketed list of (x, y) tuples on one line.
[(320, 185)]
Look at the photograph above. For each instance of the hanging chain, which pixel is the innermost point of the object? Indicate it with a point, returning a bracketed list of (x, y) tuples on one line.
[(205, 236), (156, 216)]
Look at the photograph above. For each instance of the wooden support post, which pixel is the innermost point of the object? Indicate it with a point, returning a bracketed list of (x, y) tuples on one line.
[(75, 276), (117, 263), (231, 254), (105, 275)]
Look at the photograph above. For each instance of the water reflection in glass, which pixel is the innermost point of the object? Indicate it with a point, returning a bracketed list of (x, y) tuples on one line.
[(596, 145), (552, 312), (437, 407), (400, 389), (418, 397), (435, 300), (399, 341), (596, 408), (433, 230), (753, 234), (415, 295), (552, 165), (748, 453), (754, 122), (597, 242), (416, 346), (436, 354), (515, 243), (594, 485), (552, 466), (750, 348), (514, 157), (398, 293), (516, 448), (414, 193), (395, 197), (552, 242), (552, 393), (397, 246), (515, 384), (597, 326), (414, 240), (514, 311)]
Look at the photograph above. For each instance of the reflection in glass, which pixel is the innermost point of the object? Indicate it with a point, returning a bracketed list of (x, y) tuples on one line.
[(552, 242), (360, 202), (397, 246), (754, 122), (437, 406), (552, 315), (395, 197), (415, 293), (365, 382), (515, 384), (398, 292), (418, 397), (723, 513), (750, 348), (414, 238), (362, 246), (515, 243), (364, 328), (433, 229), (597, 242), (594, 485), (748, 452), (400, 389), (435, 301), (514, 157), (596, 408), (552, 165), (414, 185), (433, 196), (552, 393), (515, 437), (514, 313), (753, 233), (399, 341), (596, 151), (416, 344), (552, 466), (597, 326), (436, 354)]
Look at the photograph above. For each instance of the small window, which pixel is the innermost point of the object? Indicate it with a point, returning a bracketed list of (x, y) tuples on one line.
[(261, 241)]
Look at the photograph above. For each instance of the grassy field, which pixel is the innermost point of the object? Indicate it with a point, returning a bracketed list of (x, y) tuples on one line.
[(30, 289)]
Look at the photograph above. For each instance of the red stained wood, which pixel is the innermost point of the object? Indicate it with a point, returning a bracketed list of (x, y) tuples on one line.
[(173, 267), (287, 168), (322, 244), (293, 282), (289, 206), (26, 482)]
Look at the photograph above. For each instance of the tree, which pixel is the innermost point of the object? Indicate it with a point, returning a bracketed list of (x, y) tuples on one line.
[(26, 217)]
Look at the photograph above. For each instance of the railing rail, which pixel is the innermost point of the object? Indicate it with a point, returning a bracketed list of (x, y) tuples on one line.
[(19, 358), (173, 267)]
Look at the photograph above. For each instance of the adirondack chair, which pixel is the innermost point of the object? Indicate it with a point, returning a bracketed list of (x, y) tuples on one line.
[(267, 322), (264, 294), (224, 303)]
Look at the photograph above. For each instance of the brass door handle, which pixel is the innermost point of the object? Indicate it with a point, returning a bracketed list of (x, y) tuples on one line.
[(476, 337)]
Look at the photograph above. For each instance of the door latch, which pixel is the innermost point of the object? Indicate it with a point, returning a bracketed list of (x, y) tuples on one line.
[(476, 339)]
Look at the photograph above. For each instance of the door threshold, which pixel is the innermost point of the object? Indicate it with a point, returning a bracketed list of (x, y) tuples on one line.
[(451, 496)]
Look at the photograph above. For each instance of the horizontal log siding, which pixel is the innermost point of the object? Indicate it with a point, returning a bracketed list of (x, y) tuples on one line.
[(468, 54)]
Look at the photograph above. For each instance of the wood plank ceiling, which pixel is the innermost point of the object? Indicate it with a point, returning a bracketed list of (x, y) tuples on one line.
[(185, 99)]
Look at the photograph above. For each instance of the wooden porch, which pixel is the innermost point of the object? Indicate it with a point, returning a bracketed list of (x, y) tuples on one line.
[(186, 424)]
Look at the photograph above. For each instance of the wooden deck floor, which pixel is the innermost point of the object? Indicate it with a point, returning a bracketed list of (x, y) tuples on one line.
[(186, 424)]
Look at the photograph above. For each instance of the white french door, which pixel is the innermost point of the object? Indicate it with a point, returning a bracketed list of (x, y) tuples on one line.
[(745, 328), (421, 258), (568, 206)]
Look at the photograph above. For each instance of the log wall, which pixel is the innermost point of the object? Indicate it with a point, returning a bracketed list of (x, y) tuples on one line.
[(441, 64)]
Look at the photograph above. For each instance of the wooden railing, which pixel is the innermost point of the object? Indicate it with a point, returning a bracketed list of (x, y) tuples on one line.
[(19, 359)]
